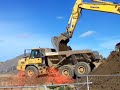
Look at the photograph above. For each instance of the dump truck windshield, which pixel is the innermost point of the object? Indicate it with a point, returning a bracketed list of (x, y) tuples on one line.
[(35, 54)]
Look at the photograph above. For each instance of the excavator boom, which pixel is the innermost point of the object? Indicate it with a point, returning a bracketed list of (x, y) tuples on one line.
[(60, 42)]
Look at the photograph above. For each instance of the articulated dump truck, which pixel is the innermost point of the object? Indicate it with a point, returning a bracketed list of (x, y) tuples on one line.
[(70, 63)]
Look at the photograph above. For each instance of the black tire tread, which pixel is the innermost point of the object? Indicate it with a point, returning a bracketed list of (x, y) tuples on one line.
[(32, 68), (69, 68), (87, 67)]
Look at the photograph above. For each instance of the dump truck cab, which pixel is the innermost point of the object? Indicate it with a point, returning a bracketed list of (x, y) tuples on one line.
[(33, 62)]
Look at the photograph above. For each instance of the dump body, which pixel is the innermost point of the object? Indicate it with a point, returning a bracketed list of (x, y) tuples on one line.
[(69, 57)]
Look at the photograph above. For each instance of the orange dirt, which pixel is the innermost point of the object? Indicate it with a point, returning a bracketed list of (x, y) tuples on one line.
[(53, 77)]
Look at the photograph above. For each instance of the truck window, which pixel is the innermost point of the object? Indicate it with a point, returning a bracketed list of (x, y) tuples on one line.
[(35, 54)]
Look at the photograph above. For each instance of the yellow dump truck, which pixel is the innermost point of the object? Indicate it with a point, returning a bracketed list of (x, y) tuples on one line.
[(70, 63)]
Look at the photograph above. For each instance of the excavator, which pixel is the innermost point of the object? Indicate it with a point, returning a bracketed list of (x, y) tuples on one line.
[(60, 42), (69, 62)]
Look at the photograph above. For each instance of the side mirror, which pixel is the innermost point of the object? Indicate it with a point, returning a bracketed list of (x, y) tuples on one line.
[(27, 53)]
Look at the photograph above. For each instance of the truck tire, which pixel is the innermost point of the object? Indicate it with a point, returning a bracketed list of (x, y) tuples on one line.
[(66, 71), (31, 71), (82, 68)]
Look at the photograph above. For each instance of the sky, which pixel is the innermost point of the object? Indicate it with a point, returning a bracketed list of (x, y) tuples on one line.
[(26, 24)]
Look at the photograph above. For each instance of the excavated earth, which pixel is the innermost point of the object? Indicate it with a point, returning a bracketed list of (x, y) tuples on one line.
[(111, 66)]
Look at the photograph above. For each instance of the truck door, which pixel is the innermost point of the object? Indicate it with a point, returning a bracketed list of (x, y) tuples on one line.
[(35, 57)]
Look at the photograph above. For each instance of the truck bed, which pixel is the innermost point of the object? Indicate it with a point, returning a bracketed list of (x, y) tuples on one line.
[(67, 53)]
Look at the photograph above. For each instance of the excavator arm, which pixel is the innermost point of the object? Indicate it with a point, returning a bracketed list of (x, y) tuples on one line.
[(61, 41), (100, 6)]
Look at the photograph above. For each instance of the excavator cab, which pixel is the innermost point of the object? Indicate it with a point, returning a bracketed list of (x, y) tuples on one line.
[(117, 47)]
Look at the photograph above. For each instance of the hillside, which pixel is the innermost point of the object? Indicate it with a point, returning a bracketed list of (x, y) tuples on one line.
[(9, 66), (1, 63)]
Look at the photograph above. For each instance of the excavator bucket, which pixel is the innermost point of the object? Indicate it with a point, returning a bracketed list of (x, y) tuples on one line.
[(60, 43)]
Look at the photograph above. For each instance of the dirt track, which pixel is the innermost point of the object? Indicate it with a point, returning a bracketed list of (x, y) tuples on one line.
[(14, 80)]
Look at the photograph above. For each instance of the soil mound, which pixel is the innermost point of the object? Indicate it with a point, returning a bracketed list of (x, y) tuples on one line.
[(110, 67)]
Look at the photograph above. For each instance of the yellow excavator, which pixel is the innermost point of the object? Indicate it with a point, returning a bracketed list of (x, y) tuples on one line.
[(60, 42), (69, 62)]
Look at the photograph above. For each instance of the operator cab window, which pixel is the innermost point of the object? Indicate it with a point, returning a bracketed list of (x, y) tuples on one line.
[(35, 54)]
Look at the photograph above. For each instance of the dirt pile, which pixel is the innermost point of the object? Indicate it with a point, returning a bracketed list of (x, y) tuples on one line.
[(20, 79), (54, 77), (110, 67), (27, 81)]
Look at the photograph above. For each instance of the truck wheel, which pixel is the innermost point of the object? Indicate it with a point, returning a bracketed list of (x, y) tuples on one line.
[(66, 71), (31, 71), (82, 68)]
